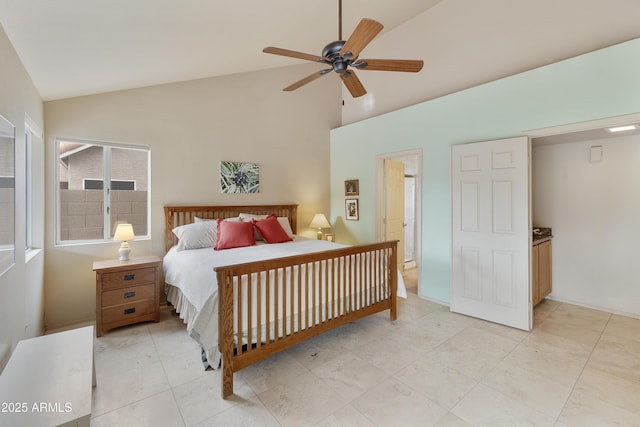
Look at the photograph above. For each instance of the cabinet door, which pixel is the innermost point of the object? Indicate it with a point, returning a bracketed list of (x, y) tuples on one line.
[(535, 271), (545, 268)]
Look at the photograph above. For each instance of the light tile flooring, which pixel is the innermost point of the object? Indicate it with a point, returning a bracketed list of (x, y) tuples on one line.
[(579, 367)]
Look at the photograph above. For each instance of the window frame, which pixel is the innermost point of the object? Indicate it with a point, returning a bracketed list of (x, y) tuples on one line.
[(34, 187), (12, 135), (28, 200), (106, 210)]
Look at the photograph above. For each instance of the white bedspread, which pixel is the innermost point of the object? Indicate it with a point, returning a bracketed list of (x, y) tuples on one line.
[(191, 272)]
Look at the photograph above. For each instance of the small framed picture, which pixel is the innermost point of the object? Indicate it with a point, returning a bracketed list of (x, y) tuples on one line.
[(351, 209), (330, 237), (351, 187)]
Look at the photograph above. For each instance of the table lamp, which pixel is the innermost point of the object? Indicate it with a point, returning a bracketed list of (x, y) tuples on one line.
[(319, 221), (124, 233)]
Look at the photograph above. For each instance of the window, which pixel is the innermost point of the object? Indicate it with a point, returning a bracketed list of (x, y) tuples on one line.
[(7, 182), (34, 188), (88, 208), (98, 184), (28, 188), (7, 195)]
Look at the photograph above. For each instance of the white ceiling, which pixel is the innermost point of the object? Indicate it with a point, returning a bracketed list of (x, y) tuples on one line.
[(79, 47)]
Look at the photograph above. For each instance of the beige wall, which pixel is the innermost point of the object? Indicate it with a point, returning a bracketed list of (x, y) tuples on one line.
[(191, 127), (21, 287)]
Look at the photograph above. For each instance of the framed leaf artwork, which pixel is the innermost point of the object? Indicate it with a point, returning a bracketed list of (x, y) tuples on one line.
[(238, 177)]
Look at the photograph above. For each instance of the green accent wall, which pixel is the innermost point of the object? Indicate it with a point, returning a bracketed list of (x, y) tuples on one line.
[(600, 84)]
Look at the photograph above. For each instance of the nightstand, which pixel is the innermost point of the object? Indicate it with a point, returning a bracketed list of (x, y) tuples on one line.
[(127, 292)]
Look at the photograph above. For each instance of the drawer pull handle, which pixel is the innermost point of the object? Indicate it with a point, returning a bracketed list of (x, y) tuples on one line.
[(129, 276), (129, 294), (129, 310)]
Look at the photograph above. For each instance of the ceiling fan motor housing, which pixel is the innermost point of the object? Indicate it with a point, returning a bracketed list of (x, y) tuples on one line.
[(331, 52)]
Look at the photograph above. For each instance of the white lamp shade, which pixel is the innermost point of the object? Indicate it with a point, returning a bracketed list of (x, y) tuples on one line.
[(319, 221), (124, 232)]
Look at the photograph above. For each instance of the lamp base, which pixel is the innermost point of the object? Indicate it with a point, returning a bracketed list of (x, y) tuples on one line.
[(319, 234), (124, 252)]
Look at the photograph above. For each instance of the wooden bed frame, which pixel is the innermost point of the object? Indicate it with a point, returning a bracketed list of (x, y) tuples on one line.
[(361, 280)]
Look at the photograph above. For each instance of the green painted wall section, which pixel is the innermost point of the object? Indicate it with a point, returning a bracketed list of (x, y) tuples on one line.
[(600, 84)]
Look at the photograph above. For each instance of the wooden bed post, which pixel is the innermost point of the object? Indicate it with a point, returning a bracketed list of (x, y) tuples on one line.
[(393, 280), (225, 331), (168, 227)]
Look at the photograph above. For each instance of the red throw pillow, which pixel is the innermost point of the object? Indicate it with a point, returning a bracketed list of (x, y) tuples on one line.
[(271, 230), (234, 235)]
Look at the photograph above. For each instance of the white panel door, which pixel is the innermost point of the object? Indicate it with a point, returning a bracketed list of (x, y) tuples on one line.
[(394, 205), (490, 277)]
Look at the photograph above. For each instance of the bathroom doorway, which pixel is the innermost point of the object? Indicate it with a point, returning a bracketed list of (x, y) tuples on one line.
[(412, 161)]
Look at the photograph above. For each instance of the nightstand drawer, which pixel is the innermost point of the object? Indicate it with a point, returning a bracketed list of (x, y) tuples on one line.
[(128, 311), (128, 295), (128, 278)]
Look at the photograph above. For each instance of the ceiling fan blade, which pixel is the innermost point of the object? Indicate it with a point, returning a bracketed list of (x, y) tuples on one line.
[(293, 54), (306, 80), (407, 65), (366, 31), (353, 83)]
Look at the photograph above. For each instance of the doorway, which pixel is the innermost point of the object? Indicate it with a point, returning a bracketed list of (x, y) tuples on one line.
[(412, 161), (409, 220), (585, 183)]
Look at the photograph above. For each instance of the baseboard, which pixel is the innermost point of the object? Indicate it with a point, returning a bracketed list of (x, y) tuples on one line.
[(435, 301), (595, 307)]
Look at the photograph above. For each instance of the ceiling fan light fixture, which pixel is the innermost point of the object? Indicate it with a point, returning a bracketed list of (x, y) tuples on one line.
[(340, 67)]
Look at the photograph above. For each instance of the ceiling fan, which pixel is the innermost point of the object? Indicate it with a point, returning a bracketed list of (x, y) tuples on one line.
[(341, 55)]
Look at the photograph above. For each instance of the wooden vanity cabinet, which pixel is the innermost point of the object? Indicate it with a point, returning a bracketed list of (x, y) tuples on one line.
[(541, 268)]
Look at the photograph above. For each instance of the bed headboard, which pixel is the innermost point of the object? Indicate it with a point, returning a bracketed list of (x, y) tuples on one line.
[(175, 216)]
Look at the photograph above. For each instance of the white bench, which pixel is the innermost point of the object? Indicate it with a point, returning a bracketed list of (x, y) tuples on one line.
[(48, 381)]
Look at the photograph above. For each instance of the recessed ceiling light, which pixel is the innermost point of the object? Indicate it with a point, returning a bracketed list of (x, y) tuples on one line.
[(623, 128)]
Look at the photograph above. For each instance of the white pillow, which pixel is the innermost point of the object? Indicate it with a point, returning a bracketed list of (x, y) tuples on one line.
[(196, 219), (197, 235), (245, 217), (283, 220), (233, 219), (284, 223), (248, 217)]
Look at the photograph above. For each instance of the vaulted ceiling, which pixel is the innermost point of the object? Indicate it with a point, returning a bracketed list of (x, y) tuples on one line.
[(79, 47)]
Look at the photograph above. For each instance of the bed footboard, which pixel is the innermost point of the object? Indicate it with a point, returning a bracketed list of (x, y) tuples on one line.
[(268, 306)]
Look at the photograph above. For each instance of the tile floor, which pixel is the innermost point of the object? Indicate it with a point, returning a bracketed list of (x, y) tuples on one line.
[(579, 367)]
